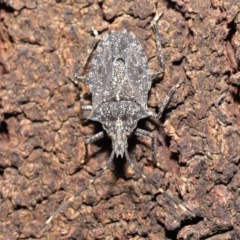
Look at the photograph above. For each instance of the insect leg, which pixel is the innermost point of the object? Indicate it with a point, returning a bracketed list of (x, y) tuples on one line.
[(159, 47), (79, 191), (222, 96), (137, 170), (168, 98), (78, 77), (95, 137), (87, 107), (143, 133)]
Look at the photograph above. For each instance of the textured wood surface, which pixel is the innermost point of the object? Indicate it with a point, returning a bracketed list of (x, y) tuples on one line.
[(43, 158)]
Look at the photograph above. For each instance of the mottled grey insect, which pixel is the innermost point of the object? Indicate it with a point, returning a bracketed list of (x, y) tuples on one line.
[(120, 80)]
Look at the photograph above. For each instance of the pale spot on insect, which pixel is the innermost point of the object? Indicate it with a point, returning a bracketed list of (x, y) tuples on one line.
[(118, 98)]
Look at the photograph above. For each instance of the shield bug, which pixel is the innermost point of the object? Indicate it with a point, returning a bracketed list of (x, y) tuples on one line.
[(120, 80)]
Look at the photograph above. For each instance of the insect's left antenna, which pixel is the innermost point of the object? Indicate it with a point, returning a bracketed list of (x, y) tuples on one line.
[(78, 77), (79, 191), (137, 170)]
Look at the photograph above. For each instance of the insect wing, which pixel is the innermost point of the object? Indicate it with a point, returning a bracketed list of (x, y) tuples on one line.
[(101, 72), (108, 82), (138, 70)]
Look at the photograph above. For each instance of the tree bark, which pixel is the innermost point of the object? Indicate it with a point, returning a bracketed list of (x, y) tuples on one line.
[(43, 157)]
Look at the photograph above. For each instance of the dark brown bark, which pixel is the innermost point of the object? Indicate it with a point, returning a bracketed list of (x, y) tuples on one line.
[(43, 158)]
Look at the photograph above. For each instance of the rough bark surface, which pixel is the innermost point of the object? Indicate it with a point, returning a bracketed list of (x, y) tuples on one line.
[(43, 158)]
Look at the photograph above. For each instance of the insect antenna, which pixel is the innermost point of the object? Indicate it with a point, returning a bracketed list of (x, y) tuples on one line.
[(71, 199), (137, 170)]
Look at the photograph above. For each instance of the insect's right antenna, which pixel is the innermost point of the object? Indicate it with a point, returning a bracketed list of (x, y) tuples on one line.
[(137, 170), (79, 191), (158, 40)]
